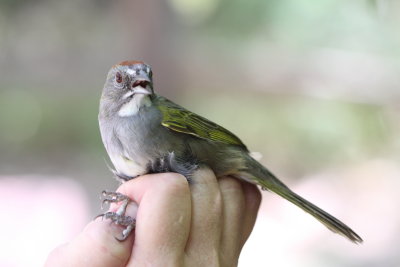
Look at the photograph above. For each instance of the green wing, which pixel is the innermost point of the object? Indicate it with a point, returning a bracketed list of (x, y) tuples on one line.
[(182, 120)]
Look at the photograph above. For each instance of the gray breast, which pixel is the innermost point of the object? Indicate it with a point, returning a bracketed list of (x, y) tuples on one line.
[(135, 141)]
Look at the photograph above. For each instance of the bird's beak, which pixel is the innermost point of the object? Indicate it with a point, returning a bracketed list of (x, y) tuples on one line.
[(139, 89), (142, 85)]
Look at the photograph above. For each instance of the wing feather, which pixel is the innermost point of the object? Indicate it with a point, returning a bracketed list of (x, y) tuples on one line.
[(182, 120)]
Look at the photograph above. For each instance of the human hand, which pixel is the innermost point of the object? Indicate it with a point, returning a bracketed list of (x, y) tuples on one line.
[(204, 225)]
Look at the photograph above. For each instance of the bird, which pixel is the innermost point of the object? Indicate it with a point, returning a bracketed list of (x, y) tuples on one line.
[(144, 132)]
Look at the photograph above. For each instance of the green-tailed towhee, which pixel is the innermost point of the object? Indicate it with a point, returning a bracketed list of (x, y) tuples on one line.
[(147, 133)]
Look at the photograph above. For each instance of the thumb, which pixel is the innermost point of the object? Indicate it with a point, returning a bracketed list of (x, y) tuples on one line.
[(95, 246)]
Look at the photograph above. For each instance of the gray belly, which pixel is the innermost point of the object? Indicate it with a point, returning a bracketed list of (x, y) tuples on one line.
[(134, 145)]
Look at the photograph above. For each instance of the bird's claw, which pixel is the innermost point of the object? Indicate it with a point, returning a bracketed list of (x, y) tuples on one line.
[(118, 217), (112, 197), (127, 231)]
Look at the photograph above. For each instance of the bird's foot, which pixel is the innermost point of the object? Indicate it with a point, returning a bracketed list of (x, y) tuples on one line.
[(118, 217), (113, 197), (122, 220)]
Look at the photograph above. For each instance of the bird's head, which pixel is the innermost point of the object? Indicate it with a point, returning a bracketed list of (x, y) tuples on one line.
[(128, 87)]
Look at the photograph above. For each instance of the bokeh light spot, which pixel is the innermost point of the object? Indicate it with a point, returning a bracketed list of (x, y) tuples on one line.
[(194, 11)]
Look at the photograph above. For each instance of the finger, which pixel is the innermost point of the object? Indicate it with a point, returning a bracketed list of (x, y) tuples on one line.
[(233, 210), (206, 216), (163, 218), (95, 246), (252, 196)]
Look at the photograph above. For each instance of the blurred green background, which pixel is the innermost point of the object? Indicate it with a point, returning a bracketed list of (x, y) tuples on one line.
[(311, 85)]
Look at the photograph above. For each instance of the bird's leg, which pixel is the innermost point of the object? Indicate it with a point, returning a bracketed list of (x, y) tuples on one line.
[(112, 197), (118, 217), (186, 164)]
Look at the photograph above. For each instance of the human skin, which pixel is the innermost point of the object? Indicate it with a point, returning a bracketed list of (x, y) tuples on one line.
[(205, 223)]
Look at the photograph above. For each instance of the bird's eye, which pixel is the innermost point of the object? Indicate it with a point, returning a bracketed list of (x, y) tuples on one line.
[(118, 77)]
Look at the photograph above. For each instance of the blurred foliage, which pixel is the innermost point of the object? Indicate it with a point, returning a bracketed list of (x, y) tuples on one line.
[(307, 133), (40, 123), (12, 5), (309, 84), (240, 19)]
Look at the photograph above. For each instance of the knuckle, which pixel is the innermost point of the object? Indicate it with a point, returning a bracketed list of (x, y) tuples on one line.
[(228, 259), (254, 196), (174, 182), (217, 203), (204, 176), (230, 185), (257, 195)]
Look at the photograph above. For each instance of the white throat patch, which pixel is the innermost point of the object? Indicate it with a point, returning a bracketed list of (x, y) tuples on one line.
[(133, 106)]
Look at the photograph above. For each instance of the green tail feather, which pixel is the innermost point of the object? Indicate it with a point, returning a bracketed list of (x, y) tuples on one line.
[(267, 180)]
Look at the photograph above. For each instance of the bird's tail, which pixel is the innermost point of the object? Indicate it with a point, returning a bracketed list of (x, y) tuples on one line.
[(261, 176)]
